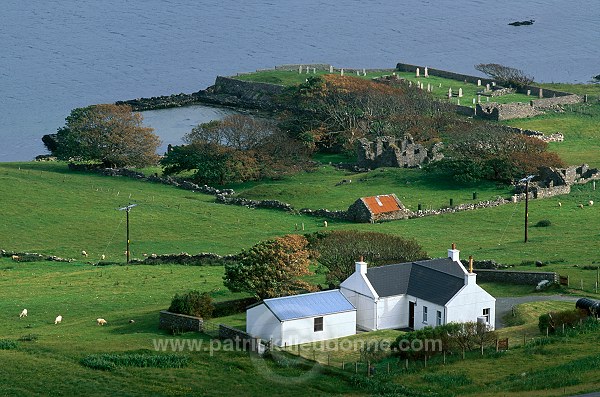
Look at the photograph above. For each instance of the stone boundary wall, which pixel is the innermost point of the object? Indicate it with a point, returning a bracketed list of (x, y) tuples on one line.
[(179, 322), (515, 277), (506, 111), (18, 256), (242, 339)]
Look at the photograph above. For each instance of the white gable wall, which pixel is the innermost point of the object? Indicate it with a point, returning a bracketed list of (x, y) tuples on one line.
[(262, 323), (392, 312), (358, 290), (468, 304), (365, 309), (335, 325)]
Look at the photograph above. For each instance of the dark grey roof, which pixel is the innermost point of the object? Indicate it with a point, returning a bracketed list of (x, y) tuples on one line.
[(308, 305), (435, 280)]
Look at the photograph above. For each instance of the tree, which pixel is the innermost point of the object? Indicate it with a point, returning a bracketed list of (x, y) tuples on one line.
[(485, 151), (505, 74), (332, 112), (237, 131), (340, 249), (236, 149), (271, 268), (110, 134), (212, 163)]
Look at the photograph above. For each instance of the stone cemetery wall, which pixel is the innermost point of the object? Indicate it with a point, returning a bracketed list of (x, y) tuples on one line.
[(179, 322)]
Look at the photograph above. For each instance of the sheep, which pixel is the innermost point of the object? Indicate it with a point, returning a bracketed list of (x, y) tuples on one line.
[(559, 204), (580, 205), (16, 258), (131, 321), (102, 257), (23, 313), (83, 253), (591, 202), (101, 321), (324, 223), (58, 319)]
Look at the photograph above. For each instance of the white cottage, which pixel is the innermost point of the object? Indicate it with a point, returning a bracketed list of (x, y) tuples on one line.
[(417, 294), (292, 320)]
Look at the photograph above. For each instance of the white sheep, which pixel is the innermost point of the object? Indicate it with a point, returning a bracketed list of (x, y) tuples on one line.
[(324, 223), (84, 253), (23, 313), (559, 204), (580, 205), (16, 258), (101, 321), (58, 319), (591, 202), (102, 257)]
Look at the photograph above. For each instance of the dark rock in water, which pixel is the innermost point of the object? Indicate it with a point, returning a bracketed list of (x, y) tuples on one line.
[(520, 23)]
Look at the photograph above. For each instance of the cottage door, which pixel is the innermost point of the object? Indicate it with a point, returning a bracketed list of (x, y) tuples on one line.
[(411, 315)]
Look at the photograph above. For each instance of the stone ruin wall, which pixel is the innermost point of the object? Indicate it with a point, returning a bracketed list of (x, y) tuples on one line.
[(506, 111), (392, 152)]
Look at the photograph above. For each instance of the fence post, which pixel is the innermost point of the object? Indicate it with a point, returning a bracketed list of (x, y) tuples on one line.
[(369, 368), (523, 339), (496, 345), (582, 284), (388, 367), (547, 330), (444, 357), (343, 365), (328, 358), (406, 364)]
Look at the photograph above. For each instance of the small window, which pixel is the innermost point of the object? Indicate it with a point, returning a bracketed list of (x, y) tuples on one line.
[(318, 324), (486, 313), (425, 314), (439, 318)]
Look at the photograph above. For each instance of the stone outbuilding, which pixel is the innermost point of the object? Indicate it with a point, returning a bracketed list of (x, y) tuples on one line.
[(384, 207)]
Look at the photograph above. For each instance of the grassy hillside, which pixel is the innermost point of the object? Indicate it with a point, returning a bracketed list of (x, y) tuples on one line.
[(50, 210)]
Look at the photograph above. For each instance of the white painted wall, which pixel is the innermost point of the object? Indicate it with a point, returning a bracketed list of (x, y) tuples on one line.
[(468, 304), (365, 309), (392, 312), (335, 325), (262, 323), (432, 309)]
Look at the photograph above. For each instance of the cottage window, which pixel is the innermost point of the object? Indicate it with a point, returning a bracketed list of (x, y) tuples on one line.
[(425, 314), (439, 318), (318, 324), (486, 313)]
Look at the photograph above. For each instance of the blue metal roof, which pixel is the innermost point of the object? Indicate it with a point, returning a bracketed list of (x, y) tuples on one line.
[(308, 305)]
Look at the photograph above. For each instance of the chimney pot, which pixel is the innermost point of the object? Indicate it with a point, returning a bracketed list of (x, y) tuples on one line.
[(470, 263)]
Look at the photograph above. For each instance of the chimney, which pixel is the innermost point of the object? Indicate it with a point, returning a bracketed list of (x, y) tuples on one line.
[(470, 278), (361, 266), (454, 253)]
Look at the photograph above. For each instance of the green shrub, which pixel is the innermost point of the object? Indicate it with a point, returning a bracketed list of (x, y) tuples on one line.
[(29, 338), (7, 344), (108, 362), (193, 303), (555, 320), (543, 223)]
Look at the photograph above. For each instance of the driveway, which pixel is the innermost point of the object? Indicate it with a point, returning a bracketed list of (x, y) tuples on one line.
[(504, 305)]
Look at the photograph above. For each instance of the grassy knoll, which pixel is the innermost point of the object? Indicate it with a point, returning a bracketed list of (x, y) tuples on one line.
[(579, 124), (325, 188), (439, 85)]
